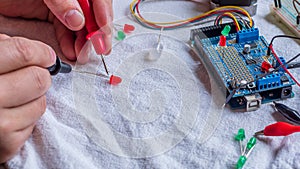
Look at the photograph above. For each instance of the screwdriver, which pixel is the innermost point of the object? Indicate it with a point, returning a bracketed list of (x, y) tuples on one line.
[(59, 67), (94, 34), (288, 112), (278, 129)]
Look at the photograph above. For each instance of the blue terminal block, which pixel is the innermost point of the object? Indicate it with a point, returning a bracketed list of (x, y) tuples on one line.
[(270, 81), (247, 35), (283, 62)]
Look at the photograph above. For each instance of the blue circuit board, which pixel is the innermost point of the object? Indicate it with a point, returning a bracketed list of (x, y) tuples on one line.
[(233, 67)]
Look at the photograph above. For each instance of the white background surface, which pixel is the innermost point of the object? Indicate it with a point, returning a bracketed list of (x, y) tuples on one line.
[(58, 142)]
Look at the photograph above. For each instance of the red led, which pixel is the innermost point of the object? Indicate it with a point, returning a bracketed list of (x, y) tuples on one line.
[(222, 40), (115, 80), (266, 66), (128, 28)]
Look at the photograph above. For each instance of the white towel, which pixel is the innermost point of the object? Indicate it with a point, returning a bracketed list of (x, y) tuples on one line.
[(65, 137)]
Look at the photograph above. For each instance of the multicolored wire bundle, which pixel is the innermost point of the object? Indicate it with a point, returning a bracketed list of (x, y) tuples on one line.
[(233, 12)]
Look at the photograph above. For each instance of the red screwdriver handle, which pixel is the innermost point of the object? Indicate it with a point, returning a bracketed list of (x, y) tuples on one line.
[(94, 34), (280, 129), (90, 22)]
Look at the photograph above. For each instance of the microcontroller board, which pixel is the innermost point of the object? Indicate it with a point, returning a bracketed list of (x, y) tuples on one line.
[(239, 65)]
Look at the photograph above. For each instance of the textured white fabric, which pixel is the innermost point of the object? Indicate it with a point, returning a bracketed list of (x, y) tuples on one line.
[(64, 139)]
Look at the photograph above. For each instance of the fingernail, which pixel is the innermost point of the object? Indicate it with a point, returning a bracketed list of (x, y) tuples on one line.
[(74, 19), (52, 55)]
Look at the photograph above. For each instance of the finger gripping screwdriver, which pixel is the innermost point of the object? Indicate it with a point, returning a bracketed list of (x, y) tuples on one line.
[(94, 34)]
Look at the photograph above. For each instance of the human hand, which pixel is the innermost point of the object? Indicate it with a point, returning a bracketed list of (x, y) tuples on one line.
[(23, 84), (67, 18)]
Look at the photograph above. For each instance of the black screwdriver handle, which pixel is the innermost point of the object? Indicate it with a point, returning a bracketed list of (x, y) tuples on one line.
[(288, 112), (59, 67)]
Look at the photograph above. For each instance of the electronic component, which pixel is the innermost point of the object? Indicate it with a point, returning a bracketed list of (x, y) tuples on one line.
[(211, 31), (286, 92), (114, 80), (284, 79), (247, 35), (240, 136), (247, 49), (253, 102), (287, 12), (154, 54), (266, 66), (248, 149), (269, 81), (237, 67)]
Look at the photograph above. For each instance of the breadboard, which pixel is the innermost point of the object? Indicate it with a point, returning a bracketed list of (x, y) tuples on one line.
[(287, 14)]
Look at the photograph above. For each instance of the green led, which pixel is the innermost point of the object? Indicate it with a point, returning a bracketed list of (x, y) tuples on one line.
[(121, 36), (251, 143), (226, 30), (240, 135), (241, 162)]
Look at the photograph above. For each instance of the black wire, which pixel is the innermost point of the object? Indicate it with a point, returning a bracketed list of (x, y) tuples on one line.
[(298, 13), (294, 4), (280, 36), (275, 2), (295, 57), (279, 3), (283, 36)]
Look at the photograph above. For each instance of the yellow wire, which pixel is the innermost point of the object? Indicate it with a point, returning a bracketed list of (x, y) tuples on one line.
[(234, 19), (189, 19)]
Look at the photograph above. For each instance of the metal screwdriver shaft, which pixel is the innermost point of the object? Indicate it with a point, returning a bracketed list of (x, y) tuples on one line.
[(105, 67)]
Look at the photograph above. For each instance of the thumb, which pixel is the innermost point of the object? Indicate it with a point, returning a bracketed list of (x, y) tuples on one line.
[(68, 12)]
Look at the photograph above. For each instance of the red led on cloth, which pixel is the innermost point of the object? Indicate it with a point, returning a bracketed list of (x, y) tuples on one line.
[(115, 80), (128, 28)]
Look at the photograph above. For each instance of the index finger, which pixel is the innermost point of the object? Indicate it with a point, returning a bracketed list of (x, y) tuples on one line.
[(104, 18), (17, 53)]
